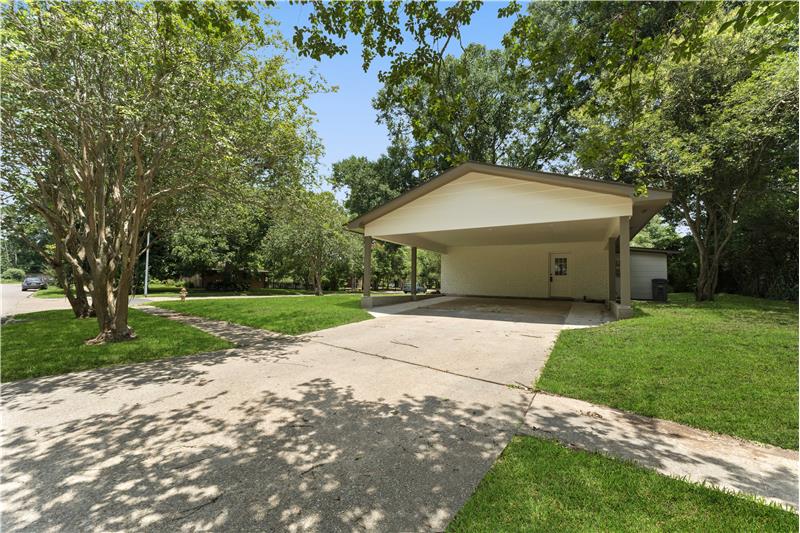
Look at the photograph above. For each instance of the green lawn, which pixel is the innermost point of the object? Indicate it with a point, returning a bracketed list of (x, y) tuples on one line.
[(171, 290), (52, 342), (539, 485), (729, 366), (50, 292), (283, 315)]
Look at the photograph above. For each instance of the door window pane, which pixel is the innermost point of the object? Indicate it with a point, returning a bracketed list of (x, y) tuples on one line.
[(560, 266)]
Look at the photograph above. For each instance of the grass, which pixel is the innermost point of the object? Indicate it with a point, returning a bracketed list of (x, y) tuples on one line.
[(52, 342), (539, 485), (283, 315), (50, 292), (171, 290), (729, 366)]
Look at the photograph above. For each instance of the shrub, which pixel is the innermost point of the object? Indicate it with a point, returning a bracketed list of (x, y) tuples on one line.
[(16, 274)]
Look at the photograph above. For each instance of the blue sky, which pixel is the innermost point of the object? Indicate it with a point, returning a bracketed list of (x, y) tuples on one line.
[(346, 121)]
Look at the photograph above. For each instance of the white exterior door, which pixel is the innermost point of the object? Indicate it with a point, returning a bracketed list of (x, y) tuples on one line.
[(560, 272)]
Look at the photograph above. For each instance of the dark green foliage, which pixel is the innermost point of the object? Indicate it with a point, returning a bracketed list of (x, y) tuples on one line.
[(721, 132), (372, 183), (379, 26), (763, 256), (474, 109), (308, 238), (174, 100), (16, 274)]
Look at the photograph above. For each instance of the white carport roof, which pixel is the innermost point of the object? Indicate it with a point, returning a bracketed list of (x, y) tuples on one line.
[(588, 213)]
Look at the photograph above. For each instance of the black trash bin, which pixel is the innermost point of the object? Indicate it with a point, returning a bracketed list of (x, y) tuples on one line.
[(660, 290)]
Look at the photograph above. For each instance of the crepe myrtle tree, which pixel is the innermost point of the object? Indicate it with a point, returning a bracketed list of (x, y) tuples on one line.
[(112, 108)]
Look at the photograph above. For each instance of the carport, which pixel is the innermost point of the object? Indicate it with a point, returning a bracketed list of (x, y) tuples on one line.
[(507, 232)]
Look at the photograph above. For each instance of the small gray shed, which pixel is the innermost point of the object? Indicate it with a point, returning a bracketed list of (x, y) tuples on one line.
[(647, 264)]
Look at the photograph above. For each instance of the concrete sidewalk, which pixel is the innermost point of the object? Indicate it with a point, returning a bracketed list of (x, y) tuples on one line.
[(668, 447)]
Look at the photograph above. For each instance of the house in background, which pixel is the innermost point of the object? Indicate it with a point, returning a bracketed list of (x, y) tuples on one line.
[(509, 232), (221, 280)]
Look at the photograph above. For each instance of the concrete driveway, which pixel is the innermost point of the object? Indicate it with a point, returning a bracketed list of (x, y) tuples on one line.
[(16, 302), (384, 425), (11, 296)]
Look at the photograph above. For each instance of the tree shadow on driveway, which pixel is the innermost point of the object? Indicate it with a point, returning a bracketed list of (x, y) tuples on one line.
[(317, 458), (189, 370)]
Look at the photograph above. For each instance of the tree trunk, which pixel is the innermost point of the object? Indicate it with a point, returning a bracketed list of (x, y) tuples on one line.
[(82, 307), (704, 291), (710, 238), (78, 299), (111, 306), (317, 284)]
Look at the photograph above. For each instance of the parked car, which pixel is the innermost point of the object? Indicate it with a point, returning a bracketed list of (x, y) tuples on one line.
[(420, 288), (34, 282)]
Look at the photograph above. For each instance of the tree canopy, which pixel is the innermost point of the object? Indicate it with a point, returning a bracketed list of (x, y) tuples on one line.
[(309, 237), (700, 98), (112, 108), (722, 127)]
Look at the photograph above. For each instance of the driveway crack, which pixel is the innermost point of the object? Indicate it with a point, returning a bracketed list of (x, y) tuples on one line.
[(527, 410), (428, 367), (404, 344)]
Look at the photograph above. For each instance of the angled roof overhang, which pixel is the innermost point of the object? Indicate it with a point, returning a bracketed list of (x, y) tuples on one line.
[(644, 206)]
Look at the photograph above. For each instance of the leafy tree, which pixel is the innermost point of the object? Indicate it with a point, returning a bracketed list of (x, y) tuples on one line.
[(219, 234), (721, 128), (348, 267), (25, 242), (112, 108), (473, 110), (372, 183), (429, 268), (763, 256), (390, 264), (609, 40), (658, 233), (380, 26), (309, 236)]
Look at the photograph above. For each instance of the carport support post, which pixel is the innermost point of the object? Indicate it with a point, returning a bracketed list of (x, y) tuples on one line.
[(413, 272), (624, 267), (366, 299), (612, 270)]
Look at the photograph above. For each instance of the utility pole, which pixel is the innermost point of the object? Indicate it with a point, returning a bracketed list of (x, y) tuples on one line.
[(147, 265)]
